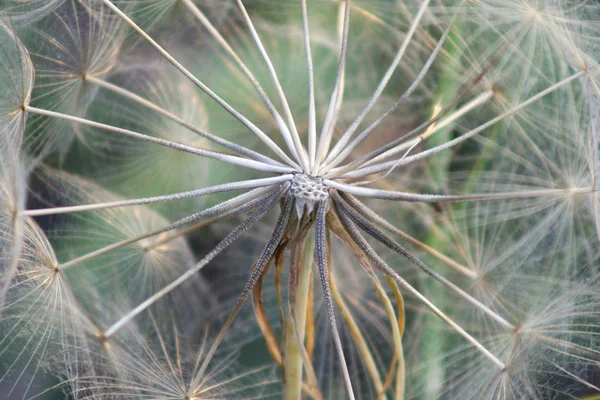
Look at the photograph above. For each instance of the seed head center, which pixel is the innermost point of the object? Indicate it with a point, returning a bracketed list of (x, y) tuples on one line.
[(308, 191)]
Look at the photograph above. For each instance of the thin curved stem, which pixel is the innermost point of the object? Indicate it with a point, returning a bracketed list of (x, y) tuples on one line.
[(299, 302), (166, 143), (227, 187), (321, 256), (266, 205), (386, 269), (397, 324), (366, 226), (359, 339), (255, 275), (225, 143), (253, 128)]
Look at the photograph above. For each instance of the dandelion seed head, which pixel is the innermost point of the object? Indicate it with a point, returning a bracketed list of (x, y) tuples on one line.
[(42, 319), (141, 169), (27, 11), (16, 84), (70, 46), (478, 117)]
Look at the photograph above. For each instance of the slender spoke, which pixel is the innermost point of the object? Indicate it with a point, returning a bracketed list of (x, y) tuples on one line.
[(283, 128), (434, 198), (366, 226), (382, 85), (386, 269), (253, 128), (312, 115), (225, 143), (372, 216), (332, 109), (419, 156), (364, 134), (300, 150), (227, 187), (167, 143), (265, 206), (335, 172), (321, 256), (263, 260), (479, 100), (229, 208)]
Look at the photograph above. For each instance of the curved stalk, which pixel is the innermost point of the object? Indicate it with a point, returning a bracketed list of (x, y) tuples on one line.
[(265, 207), (292, 359)]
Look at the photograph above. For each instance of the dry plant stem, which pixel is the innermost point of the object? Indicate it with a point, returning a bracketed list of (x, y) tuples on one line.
[(372, 216), (401, 374), (140, 100), (249, 184), (265, 207), (267, 330), (279, 264), (336, 227), (366, 226), (388, 271), (263, 320), (166, 143), (397, 324), (262, 262), (227, 209), (312, 388), (310, 322), (292, 359), (253, 128), (359, 340), (321, 256)]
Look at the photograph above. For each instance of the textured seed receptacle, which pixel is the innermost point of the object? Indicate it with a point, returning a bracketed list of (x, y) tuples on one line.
[(308, 191)]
